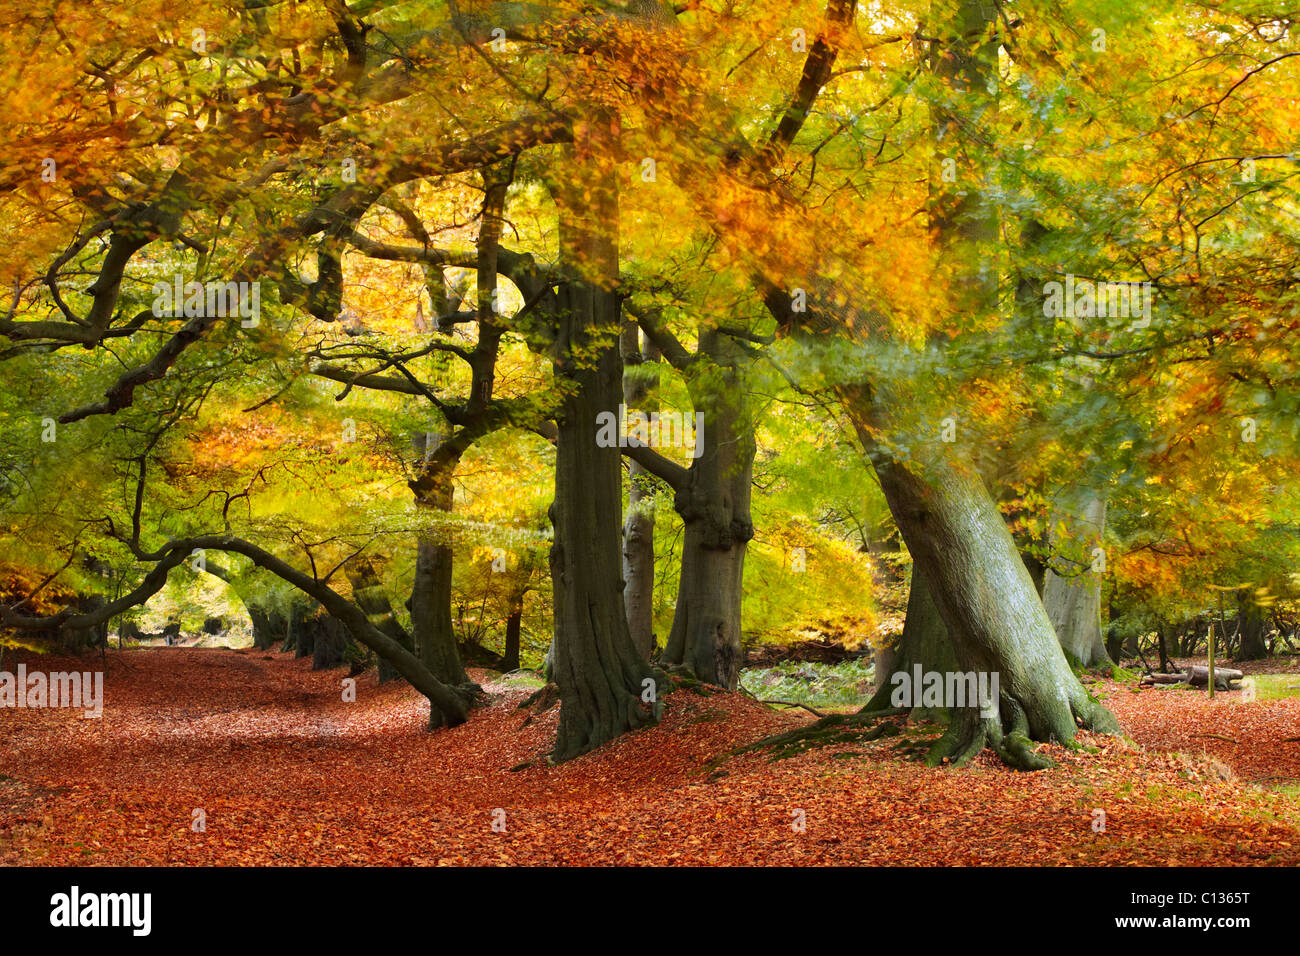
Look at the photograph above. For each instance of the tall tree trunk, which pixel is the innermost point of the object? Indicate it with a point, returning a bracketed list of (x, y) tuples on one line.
[(639, 528), (430, 604), (596, 666), (714, 504), (953, 529), (510, 660), (1073, 600), (986, 599)]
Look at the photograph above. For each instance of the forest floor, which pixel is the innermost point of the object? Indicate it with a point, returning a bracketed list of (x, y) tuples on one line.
[(285, 772)]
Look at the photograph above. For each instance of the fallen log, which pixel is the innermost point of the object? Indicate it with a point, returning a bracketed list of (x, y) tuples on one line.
[(1198, 676)]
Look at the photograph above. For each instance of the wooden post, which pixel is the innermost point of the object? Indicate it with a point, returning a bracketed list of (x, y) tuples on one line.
[(1210, 645)]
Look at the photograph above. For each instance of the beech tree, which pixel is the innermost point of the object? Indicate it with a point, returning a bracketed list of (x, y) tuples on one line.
[(866, 206)]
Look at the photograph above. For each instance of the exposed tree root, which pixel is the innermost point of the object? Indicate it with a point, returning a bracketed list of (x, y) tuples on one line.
[(832, 729), (1009, 733), (680, 677), (540, 701), (791, 703), (969, 733)]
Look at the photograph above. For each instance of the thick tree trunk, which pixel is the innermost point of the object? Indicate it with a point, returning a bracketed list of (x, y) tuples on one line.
[(514, 623), (332, 640), (596, 666), (430, 605), (1251, 627), (1073, 600), (953, 529), (598, 671), (986, 598), (1162, 646), (924, 642), (713, 501)]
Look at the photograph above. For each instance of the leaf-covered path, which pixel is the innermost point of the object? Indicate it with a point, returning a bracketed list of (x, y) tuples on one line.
[(288, 773)]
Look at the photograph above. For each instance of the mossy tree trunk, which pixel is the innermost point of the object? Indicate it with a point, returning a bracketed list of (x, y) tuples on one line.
[(986, 598)]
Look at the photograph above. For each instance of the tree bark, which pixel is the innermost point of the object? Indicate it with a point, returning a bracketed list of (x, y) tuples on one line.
[(953, 529), (596, 666), (714, 504), (268, 626), (1073, 600), (430, 605), (1251, 628), (301, 636), (986, 599), (639, 528), (368, 593), (924, 641), (712, 497), (332, 640), (510, 659)]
